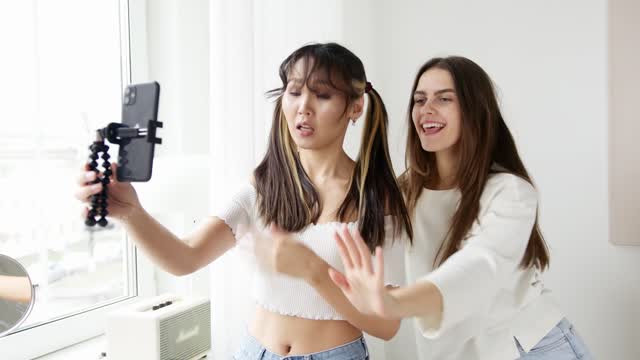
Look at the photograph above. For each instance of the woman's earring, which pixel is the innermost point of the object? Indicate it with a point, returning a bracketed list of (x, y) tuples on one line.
[(353, 122)]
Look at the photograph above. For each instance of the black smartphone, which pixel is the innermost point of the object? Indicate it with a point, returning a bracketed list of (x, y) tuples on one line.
[(139, 108)]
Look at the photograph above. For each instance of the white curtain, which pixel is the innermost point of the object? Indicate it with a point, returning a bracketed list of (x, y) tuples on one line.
[(248, 40)]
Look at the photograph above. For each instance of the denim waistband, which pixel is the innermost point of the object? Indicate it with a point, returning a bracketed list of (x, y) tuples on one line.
[(251, 348)]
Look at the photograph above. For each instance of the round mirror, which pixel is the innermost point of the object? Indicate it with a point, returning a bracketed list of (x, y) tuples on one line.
[(17, 295)]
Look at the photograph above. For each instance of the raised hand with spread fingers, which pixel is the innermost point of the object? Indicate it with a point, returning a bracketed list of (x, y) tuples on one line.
[(361, 283)]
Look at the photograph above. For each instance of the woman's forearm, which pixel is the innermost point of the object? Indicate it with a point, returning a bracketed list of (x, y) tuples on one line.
[(210, 240), (421, 299), (15, 288), (166, 249), (376, 326)]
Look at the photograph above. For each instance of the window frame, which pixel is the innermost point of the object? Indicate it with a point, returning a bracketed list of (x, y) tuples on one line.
[(56, 334)]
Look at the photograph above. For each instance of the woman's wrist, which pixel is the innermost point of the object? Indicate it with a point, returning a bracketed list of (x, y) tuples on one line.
[(317, 270), (420, 299), (132, 215), (393, 306)]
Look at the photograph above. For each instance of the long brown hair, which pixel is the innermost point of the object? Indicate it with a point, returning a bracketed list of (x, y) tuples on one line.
[(286, 195), (485, 141)]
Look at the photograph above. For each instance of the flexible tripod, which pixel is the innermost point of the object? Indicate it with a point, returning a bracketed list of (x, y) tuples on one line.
[(122, 135)]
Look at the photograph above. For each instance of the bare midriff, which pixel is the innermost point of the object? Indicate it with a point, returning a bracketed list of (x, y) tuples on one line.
[(289, 335)]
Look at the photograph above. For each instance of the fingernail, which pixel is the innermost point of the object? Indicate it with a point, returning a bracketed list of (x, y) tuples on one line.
[(97, 187), (89, 175)]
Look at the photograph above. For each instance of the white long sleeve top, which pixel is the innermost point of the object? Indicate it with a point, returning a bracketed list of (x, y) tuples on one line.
[(488, 299)]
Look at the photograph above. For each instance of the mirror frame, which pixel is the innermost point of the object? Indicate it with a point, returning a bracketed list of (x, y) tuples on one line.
[(32, 302)]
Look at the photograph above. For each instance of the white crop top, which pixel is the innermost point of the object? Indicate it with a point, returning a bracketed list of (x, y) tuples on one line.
[(291, 296)]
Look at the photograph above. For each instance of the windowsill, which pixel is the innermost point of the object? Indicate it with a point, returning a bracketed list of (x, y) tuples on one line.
[(87, 350)]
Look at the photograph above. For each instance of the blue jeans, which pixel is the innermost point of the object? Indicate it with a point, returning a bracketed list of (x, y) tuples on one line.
[(251, 349), (561, 343)]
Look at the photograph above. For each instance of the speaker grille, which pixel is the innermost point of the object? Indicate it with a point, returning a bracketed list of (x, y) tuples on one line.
[(186, 334)]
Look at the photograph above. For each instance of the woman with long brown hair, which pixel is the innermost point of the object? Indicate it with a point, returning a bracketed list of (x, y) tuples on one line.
[(478, 253), (305, 186)]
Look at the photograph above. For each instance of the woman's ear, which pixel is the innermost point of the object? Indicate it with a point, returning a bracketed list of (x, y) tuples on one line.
[(356, 109)]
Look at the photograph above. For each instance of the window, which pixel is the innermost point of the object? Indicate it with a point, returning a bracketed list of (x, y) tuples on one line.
[(63, 70)]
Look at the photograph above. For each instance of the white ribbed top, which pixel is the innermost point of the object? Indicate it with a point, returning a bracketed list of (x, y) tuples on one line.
[(292, 296)]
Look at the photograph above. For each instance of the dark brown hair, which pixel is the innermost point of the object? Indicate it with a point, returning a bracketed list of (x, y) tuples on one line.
[(485, 141)]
